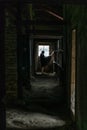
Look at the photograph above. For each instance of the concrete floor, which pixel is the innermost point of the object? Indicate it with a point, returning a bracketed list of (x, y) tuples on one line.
[(43, 109), (45, 88), (21, 119)]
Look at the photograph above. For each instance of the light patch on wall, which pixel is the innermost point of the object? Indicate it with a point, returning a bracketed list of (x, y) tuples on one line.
[(73, 69)]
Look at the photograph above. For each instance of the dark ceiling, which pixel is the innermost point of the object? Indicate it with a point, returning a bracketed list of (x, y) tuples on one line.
[(47, 15), (48, 12)]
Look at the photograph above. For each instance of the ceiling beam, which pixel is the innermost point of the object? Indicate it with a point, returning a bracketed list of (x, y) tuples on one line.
[(46, 32), (44, 22), (54, 14), (46, 37), (48, 2)]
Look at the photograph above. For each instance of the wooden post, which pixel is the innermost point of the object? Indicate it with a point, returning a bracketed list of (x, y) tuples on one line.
[(27, 33), (2, 70), (20, 66)]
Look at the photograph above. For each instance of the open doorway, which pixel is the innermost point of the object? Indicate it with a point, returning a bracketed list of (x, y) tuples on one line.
[(48, 47)]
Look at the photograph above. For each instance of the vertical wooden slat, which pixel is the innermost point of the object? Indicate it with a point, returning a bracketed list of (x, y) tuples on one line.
[(19, 56), (2, 70), (23, 49), (73, 59), (27, 27)]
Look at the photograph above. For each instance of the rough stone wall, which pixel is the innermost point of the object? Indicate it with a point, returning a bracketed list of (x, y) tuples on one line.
[(10, 56)]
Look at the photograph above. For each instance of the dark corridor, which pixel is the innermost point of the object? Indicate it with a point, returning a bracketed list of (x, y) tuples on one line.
[(43, 106), (34, 100)]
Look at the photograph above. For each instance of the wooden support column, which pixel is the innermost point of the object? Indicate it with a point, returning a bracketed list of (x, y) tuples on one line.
[(28, 44), (20, 67), (2, 70), (23, 50)]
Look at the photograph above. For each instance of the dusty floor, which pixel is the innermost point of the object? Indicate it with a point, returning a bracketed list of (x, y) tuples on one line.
[(43, 103), (46, 89), (21, 119)]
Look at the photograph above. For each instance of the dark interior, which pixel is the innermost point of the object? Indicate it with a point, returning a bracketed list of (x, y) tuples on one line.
[(55, 99)]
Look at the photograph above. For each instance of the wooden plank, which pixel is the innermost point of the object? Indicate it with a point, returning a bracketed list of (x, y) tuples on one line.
[(2, 70), (46, 32), (46, 37), (45, 22), (51, 2)]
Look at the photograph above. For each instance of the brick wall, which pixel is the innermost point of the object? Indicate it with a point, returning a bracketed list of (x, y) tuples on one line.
[(10, 56)]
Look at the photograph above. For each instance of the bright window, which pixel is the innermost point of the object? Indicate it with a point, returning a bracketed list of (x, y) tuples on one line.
[(44, 48)]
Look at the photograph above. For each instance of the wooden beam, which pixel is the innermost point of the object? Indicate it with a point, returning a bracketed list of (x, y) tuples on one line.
[(47, 2), (54, 14), (46, 32), (2, 69), (45, 22), (47, 37), (19, 52)]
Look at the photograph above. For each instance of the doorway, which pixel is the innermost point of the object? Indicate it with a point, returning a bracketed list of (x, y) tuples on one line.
[(47, 47)]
